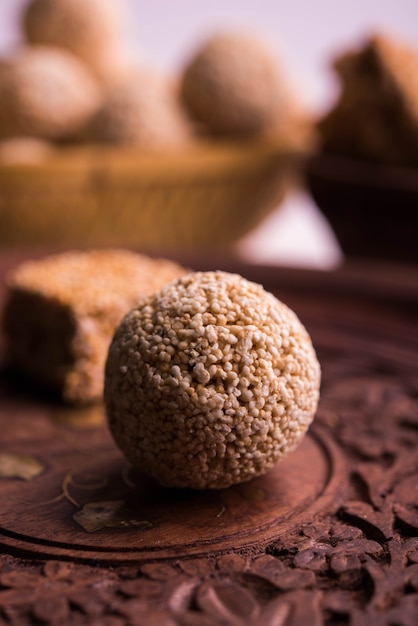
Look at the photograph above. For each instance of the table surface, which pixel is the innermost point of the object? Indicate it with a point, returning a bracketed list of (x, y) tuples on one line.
[(329, 536)]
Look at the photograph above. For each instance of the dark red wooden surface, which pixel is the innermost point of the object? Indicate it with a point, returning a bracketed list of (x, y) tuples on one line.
[(330, 536)]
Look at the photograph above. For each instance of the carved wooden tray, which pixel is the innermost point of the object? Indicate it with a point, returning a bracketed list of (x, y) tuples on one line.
[(330, 536)]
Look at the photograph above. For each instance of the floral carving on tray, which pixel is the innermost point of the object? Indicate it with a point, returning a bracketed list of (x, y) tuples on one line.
[(357, 565)]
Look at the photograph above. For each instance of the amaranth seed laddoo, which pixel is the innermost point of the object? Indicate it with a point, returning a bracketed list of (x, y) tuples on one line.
[(232, 85), (210, 381), (45, 92), (143, 110), (91, 29)]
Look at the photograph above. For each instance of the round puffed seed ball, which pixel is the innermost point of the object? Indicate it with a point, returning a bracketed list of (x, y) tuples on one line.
[(232, 85), (90, 29), (141, 110), (210, 381), (46, 93)]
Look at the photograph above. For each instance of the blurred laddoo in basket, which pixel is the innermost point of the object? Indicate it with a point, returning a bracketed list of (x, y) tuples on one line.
[(92, 31), (232, 85), (365, 178), (96, 149)]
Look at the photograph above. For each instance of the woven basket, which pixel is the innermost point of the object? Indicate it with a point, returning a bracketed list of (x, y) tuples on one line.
[(205, 197)]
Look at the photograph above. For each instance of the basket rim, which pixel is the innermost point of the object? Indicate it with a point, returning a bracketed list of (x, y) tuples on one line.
[(198, 155)]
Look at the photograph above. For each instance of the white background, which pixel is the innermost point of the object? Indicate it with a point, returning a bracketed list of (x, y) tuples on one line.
[(304, 35)]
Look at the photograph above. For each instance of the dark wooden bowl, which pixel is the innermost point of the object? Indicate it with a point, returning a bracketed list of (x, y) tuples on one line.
[(372, 208)]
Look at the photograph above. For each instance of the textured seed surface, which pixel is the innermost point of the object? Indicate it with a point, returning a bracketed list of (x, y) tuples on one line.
[(210, 381), (46, 93)]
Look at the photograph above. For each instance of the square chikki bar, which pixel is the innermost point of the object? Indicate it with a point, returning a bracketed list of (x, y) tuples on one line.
[(60, 314)]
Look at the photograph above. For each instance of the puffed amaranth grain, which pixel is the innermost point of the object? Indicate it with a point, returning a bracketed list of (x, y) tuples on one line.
[(61, 312), (210, 381)]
